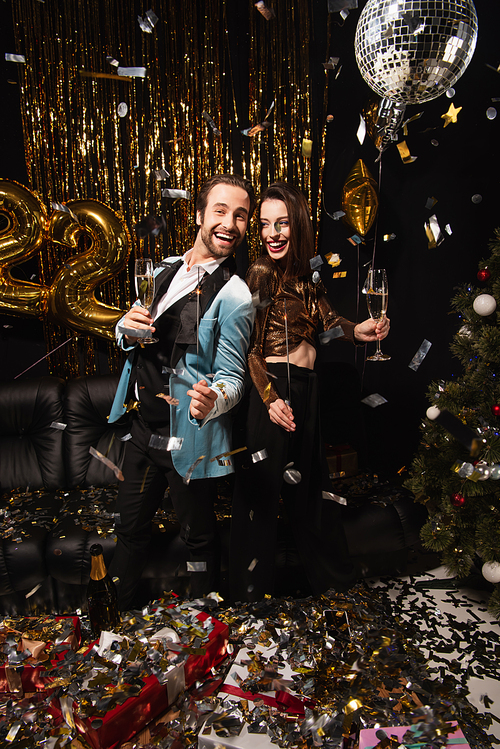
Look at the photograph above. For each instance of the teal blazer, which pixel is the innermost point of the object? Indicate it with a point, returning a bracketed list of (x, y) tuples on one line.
[(223, 338)]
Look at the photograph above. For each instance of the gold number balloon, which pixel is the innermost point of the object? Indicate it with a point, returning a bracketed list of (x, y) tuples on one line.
[(23, 223), (72, 299), (360, 199)]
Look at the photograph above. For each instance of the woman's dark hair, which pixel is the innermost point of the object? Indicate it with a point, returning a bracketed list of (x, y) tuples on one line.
[(225, 179), (301, 243)]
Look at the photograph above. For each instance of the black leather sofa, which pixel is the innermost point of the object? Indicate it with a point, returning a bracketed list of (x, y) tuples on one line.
[(57, 500)]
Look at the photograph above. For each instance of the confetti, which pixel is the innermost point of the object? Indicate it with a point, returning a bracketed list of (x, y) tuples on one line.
[(450, 93), (330, 335), (267, 12), (291, 475), (307, 148), (161, 174), (374, 400), (172, 370), (112, 61), (316, 277), (169, 398), (433, 232), (176, 194), (187, 478), (122, 109), (355, 239), (430, 203), (340, 274), (476, 199), (61, 208), (196, 566), (361, 132), (228, 454), (491, 113), (107, 462), (253, 565), (316, 262), (420, 355), (211, 122), (158, 442), (132, 72), (259, 455), (58, 425), (333, 259), (149, 21), (405, 154), (332, 63), (9, 57), (389, 237), (334, 497)]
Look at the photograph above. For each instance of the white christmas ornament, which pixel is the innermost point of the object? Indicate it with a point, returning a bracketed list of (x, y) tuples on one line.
[(432, 412), (484, 304), (491, 572)]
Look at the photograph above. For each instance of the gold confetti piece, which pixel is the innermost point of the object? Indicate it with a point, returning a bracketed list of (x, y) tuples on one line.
[(451, 115), (96, 454), (339, 274), (389, 237), (405, 154), (333, 259), (267, 392), (306, 148), (169, 398), (112, 76), (252, 565), (144, 479), (410, 119), (226, 455)]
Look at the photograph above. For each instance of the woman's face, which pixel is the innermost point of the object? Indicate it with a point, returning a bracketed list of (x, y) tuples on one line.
[(274, 228)]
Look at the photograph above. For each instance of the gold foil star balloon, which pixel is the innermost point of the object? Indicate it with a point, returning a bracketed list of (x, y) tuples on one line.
[(360, 199)]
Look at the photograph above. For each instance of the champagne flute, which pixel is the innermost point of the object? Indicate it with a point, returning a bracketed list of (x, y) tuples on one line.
[(376, 291), (145, 288)]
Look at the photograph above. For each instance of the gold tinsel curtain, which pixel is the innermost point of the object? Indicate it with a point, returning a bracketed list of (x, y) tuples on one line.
[(202, 56)]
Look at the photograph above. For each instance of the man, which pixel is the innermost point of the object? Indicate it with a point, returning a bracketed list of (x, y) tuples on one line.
[(186, 385)]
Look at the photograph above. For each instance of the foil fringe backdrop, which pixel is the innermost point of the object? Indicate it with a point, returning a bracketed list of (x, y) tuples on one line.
[(202, 56)]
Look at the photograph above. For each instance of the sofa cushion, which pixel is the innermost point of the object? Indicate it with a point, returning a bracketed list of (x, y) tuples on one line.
[(31, 450), (87, 404)]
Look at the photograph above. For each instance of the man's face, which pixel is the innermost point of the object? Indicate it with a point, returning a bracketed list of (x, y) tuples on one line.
[(224, 221)]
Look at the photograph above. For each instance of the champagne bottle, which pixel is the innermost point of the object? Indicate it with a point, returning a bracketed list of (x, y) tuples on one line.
[(101, 595)]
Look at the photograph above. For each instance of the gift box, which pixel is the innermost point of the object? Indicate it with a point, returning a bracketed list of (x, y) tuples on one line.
[(369, 738), (46, 639), (342, 461), (124, 721)]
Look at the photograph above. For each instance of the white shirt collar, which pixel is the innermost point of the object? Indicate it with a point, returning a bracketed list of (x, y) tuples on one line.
[(209, 266)]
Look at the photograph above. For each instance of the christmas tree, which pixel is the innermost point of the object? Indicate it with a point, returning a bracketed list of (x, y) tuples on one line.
[(456, 470)]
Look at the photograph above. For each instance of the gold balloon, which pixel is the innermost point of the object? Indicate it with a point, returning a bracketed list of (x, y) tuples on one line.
[(72, 299), (360, 199), (23, 222)]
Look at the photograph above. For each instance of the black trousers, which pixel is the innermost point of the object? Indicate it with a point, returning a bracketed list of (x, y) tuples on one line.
[(147, 473), (316, 522)]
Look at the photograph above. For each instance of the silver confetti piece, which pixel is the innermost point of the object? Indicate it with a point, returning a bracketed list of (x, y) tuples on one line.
[(374, 400), (334, 498), (161, 174), (112, 61), (158, 442), (33, 591), (122, 109), (58, 425), (420, 355), (332, 63), (107, 462), (64, 209), (291, 475), (132, 72), (13, 731), (175, 194), (134, 332), (316, 262), (187, 478), (172, 370), (259, 455), (196, 566), (316, 278), (212, 124), (126, 438), (252, 565), (9, 57), (330, 335), (149, 21)]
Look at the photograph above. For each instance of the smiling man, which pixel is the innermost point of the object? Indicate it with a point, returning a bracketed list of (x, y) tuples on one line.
[(186, 385)]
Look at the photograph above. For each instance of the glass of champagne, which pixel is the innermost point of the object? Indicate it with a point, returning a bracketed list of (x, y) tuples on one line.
[(376, 291), (145, 288)]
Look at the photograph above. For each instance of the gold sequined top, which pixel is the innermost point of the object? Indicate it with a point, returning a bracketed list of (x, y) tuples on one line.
[(307, 305)]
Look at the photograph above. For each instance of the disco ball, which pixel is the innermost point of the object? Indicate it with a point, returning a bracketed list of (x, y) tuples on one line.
[(412, 51)]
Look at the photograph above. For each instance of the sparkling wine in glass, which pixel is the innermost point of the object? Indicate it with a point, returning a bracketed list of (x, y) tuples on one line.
[(376, 291), (145, 288)]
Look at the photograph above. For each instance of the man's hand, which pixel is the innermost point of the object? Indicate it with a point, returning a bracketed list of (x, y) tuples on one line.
[(371, 330), (282, 415), (137, 317), (202, 399)]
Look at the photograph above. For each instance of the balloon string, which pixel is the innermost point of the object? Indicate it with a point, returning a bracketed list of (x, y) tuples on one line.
[(44, 357), (198, 290), (287, 359)]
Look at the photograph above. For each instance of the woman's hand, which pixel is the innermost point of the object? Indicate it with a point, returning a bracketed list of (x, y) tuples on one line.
[(282, 415), (137, 318), (371, 330)]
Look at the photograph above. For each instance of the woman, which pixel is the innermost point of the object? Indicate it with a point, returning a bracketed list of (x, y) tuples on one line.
[(285, 453)]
